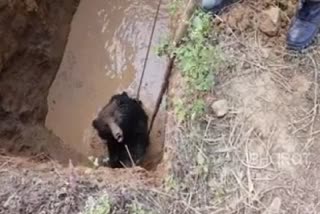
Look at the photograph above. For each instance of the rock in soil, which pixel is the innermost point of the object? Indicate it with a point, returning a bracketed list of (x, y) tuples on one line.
[(269, 21), (220, 107)]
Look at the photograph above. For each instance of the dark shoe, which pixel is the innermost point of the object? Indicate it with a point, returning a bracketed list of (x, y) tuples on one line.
[(305, 26), (215, 6)]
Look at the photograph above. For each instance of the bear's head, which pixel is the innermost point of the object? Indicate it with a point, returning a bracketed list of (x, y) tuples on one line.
[(116, 116)]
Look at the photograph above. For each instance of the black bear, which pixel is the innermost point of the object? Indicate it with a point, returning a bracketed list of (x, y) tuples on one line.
[(123, 125)]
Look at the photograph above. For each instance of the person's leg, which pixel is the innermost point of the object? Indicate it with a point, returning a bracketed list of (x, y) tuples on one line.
[(305, 25), (215, 5)]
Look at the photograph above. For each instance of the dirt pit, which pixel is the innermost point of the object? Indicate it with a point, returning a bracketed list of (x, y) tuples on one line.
[(53, 83)]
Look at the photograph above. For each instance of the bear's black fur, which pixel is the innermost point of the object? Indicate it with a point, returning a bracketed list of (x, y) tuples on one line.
[(128, 115)]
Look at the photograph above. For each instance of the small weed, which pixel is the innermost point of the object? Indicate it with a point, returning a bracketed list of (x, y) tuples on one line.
[(170, 184), (202, 163), (136, 208), (164, 48), (174, 6), (180, 110), (197, 109), (188, 111), (101, 205)]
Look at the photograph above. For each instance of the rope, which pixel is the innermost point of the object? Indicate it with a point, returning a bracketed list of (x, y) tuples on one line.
[(149, 47)]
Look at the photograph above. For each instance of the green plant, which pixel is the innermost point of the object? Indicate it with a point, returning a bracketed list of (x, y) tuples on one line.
[(100, 205), (202, 163), (197, 109), (197, 56), (174, 6), (180, 109), (170, 183), (184, 110), (164, 47)]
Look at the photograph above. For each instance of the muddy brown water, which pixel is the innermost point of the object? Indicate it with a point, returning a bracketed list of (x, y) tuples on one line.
[(104, 55)]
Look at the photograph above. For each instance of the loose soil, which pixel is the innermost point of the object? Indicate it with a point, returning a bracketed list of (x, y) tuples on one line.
[(34, 36)]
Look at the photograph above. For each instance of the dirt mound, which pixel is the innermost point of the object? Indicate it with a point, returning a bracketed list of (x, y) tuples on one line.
[(33, 187), (269, 18)]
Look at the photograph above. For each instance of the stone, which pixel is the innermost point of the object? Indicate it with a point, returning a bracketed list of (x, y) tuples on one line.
[(274, 207), (88, 171), (220, 107), (269, 21), (31, 5)]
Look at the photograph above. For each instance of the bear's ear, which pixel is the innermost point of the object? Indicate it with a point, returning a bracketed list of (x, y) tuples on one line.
[(124, 94), (139, 102), (97, 124)]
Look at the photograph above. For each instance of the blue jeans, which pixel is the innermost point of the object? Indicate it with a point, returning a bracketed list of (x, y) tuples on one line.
[(208, 4)]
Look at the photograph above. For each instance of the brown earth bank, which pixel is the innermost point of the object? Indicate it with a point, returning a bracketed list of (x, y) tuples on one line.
[(28, 186), (34, 35)]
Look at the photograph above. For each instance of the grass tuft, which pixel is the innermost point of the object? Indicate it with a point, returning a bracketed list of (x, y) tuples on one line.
[(99, 205), (197, 57)]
